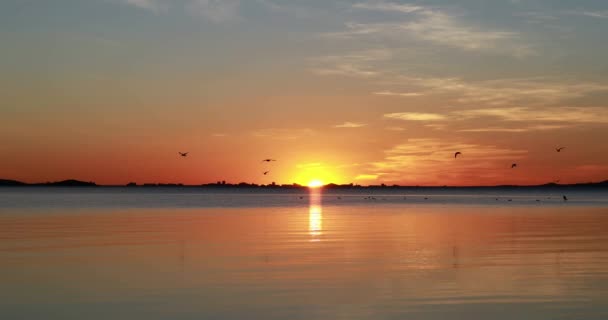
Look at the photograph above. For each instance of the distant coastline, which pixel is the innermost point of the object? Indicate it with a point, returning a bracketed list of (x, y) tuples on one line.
[(331, 186)]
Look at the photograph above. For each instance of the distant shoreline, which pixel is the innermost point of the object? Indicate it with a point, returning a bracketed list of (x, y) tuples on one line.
[(224, 185)]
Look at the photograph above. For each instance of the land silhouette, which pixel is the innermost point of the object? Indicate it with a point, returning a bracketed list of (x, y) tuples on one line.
[(245, 185)]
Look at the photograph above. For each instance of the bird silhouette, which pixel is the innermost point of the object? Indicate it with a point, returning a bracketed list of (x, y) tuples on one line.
[(560, 149), (456, 154), (514, 165), (268, 160), (183, 154), (266, 172), (565, 198)]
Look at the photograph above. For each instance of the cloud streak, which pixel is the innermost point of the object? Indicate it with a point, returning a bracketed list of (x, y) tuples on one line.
[(357, 64), (398, 94), (438, 27), (415, 116), (350, 125), (213, 10), (431, 161), (152, 5)]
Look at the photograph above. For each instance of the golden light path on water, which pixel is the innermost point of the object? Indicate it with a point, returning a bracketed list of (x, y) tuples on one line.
[(315, 215)]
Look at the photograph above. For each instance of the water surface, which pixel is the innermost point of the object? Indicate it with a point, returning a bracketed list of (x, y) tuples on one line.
[(315, 258)]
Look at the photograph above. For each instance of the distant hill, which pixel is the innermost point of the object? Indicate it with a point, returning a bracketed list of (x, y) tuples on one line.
[(4, 182), (69, 183), (64, 183)]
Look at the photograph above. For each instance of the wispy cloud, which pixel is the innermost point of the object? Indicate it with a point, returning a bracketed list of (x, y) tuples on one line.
[(516, 130), (558, 114), (213, 10), (366, 177), (439, 27), (398, 94), (219, 135), (431, 161), (357, 64), (531, 91), (395, 128), (415, 116), (602, 14), (152, 5), (391, 7), (293, 9), (350, 125)]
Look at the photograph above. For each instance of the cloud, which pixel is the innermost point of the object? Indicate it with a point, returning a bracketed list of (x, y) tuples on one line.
[(215, 10), (537, 17), (152, 5), (437, 27), (350, 125), (294, 10), (516, 130), (415, 116), (594, 14), (356, 64), (398, 94), (531, 91), (391, 7), (557, 114), (431, 161), (219, 135), (366, 177)]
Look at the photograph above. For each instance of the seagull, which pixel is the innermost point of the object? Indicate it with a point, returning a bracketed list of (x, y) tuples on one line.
[(183, 154), (513, 165), (565, 198), (268, 160), (266, 172), (456, 154), (560, 149)]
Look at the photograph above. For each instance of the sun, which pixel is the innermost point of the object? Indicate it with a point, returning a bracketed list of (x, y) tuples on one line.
[(315, 183)]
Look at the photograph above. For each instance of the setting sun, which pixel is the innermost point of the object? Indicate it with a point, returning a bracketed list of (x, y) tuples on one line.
[(315, 183)]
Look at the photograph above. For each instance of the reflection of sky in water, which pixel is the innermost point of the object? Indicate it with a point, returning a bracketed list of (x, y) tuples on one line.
[(315, 214), (374, 262)]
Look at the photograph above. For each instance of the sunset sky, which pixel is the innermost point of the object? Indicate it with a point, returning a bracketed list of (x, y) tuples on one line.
[(344, 91)]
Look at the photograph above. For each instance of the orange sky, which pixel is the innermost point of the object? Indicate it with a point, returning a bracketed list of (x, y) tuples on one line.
[(368, 92)]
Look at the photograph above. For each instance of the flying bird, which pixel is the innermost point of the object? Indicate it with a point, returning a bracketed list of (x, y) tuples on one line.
[(183, 154), (266, 172), (560, 149), (514, 165), (268, 160), (565, 198), (457, 153)]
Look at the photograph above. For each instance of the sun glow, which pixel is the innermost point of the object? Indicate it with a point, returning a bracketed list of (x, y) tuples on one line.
[(315, 183)]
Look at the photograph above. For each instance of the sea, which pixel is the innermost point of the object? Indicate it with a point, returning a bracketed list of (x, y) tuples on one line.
[(193, 253)]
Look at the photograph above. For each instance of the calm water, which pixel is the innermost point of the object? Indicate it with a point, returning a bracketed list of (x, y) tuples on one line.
[(82, 254)]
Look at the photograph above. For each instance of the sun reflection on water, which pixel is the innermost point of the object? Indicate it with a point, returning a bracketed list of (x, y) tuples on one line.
[(315, 215)]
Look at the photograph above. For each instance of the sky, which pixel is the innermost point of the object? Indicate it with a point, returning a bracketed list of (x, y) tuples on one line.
[(363, 92)]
